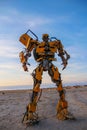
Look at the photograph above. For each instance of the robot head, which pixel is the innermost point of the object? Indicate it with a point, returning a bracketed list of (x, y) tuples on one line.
[(45, 37)]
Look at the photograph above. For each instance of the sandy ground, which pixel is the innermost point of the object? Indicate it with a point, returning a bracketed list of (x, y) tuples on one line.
[(13, 104)]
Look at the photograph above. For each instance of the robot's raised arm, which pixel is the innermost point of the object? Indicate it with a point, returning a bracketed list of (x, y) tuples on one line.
[(29, 44), (28, 41)]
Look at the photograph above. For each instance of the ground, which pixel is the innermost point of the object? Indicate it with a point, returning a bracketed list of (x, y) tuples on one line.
[(13, 104)]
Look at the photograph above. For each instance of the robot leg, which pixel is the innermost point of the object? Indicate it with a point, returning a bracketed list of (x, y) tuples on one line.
[(31, 117), (62, 105)]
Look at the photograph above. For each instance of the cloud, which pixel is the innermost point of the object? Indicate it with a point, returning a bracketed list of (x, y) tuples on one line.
[(15, 17), (8, 49), (5, 19), (37, 21)]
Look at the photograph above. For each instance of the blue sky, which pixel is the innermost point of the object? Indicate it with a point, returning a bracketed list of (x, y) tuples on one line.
[(65, 19)]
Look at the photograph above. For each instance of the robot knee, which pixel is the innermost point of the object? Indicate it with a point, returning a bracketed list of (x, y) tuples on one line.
[(36, 87), (54, 73), (31, 107)]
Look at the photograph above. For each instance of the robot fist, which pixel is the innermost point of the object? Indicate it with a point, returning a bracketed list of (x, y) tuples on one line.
[(64, 64), (25, 67)]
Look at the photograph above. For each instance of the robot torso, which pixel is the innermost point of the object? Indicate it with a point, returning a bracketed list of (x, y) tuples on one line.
[(45, 51)]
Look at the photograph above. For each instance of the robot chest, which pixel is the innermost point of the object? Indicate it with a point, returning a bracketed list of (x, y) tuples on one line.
[(46, 49)]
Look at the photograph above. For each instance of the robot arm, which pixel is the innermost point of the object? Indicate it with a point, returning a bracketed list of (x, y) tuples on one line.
[(24, 55), (63, 54), (29, 44)]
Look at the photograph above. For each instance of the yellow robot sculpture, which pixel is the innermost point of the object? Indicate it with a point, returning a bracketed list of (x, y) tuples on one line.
[(44, 54)]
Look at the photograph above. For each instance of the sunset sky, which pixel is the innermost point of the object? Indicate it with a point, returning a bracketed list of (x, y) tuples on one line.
[(65, 19)]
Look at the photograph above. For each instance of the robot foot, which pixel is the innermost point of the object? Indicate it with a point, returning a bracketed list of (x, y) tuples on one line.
[(69, 116), (65, 115), (32, 122), (30, 119)]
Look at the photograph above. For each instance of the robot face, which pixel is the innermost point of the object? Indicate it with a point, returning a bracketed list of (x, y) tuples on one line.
[(45, 37)]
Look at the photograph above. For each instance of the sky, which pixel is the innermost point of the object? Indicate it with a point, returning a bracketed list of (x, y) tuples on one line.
[(66, 20)]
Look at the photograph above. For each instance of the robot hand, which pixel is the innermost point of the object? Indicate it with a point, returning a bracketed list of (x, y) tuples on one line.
[(65, 60), (25, 67), (64, 64)]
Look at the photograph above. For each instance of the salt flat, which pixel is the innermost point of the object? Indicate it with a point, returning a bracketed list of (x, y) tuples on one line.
[(13, 104)]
